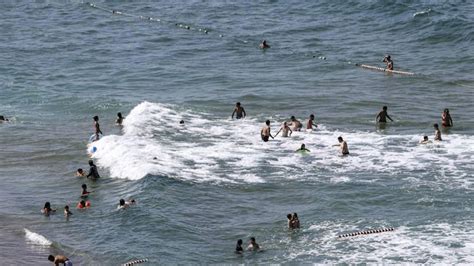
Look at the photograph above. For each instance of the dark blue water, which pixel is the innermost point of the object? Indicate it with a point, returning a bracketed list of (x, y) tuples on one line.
[(201, 186)]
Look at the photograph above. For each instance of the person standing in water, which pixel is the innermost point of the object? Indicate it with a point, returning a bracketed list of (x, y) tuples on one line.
[(265, 132), (238, 247), (119, 119), (253, 246), (239, 111), (446, 120), (388, 60), (382, 116), (437, 133), (97, 127), (311, 123), (284, 130), (93, 173), (343, 145), (264, 45)]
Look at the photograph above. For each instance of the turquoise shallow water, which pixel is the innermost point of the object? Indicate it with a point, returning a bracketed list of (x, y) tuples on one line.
[(213, 181)]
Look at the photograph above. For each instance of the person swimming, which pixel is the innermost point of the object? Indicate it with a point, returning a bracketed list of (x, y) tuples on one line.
[(382, 116), (437, 133), (311, 123), (119, 119), (343, 145), (239, 111), (67, 212), (83, 204), (238, 247), (47, 210), (3, 119), (58, 259), (93, 173), (265, 132), (284, 130), (80, 172), (388, 60), (125, 204), (264, 45), (425, 140), (295, 220), (302, 149), (253, 246), (446, 120)]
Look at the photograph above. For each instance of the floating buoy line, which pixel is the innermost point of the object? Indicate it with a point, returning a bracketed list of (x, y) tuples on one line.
[(368, 232), (130, 263)]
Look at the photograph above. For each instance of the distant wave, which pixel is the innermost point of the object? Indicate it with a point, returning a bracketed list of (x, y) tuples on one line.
[(421, 13), (36, 238)]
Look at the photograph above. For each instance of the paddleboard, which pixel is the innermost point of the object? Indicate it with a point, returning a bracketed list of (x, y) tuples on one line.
[(385, 70)]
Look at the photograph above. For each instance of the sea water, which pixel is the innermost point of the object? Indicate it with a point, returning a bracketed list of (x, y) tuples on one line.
[(201, 186)]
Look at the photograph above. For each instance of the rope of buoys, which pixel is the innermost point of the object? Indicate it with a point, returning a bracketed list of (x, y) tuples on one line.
[(154, 19), (130, 263), (367, 232)]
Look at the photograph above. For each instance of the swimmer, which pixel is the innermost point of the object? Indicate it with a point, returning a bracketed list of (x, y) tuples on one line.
[(239, 111), (67, 212), (425, 140), (311, 123), (382, 116), (119, 119), (295, 221), (181, 122), (264, 45), (84, 192), (446, 120), (302, 148), (60, 259), (437, 133), (284, 131), (93, 173), (3, 119), (238, 247), (97, 128), (83, 204), (343, 145), (253, 246), (388, 60), (295, 124), (125, 204), (290, 219), (265, 132), (80, 172), (47, 209)]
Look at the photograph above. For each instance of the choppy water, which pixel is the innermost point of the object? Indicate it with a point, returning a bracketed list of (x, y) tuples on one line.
[(203, 186)]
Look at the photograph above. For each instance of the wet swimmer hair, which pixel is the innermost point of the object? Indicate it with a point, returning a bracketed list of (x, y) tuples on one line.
[(47, 205), (96, 118), (51, 258), (267, 122), (288, 216), (91, 163), (119, 114), (121, 202)]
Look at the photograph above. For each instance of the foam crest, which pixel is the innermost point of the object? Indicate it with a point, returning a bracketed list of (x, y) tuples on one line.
[(207, 148), (36, 239)]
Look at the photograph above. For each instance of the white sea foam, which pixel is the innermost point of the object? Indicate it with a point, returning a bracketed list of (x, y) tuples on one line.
[(440, 243), (421, 13), (224, 150), (36, 238)]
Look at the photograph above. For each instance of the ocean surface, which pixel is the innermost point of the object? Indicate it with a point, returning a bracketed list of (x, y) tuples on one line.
[(201, 186)]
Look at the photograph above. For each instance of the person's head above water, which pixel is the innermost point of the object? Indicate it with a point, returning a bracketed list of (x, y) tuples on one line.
[(446, 110), (311, 116), (240, 242), (121, 202), (340, 139), (252, 240), (435, 126), (119, 115), (288, 216), (2, 118), (267, 122), (96, 118), (293, 118), (91, 163), (51, 258), (83, 203), (47, 205), (181, 122), (80, 171), (303, 146), (295, 215), (384, 108), (425, 138), (84, 186), (237, 104)]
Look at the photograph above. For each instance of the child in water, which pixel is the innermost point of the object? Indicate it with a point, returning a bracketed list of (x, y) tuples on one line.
[(83, 204)]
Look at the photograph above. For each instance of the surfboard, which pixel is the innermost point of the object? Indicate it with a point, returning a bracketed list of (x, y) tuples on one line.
[(385, 70)]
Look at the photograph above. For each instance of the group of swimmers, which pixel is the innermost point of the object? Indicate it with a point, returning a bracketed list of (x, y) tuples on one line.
[(84, 203)]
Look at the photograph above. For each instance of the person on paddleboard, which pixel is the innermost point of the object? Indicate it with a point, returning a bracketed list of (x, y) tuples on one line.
[(388, 60)]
